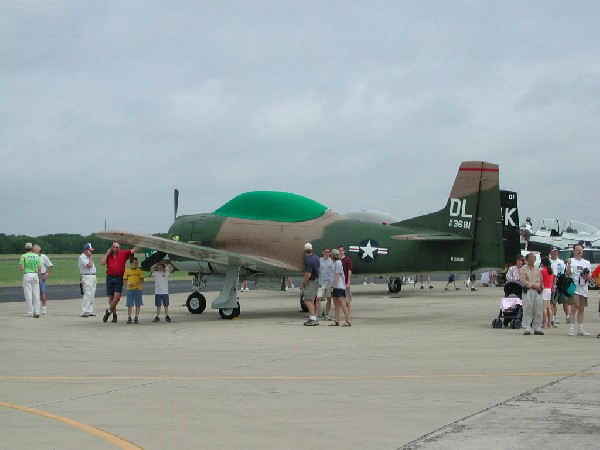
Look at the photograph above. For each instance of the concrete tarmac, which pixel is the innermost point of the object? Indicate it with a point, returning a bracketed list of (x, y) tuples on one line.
[(422, 369)]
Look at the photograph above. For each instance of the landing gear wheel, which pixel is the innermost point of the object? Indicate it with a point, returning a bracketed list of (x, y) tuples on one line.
[(395, 285), (230, 313), (196, 303)]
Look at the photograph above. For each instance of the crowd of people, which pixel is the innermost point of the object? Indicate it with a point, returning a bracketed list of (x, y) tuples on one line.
[(37, 267), (328, 277), (541, 293)]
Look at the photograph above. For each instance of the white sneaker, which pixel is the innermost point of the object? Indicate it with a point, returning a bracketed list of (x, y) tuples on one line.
[(582, 332), (292, 286), (556, 320), (43, 311), (571, 330), (364, 283)]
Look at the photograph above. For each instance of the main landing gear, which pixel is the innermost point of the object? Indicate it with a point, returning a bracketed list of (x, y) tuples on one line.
[(226, 302), (394, 284), (196, 302)]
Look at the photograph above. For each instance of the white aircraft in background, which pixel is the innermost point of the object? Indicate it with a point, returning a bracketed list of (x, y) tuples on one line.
[(550, 234)]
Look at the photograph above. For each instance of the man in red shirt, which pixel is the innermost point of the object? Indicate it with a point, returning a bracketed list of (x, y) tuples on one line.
[(115, 261)]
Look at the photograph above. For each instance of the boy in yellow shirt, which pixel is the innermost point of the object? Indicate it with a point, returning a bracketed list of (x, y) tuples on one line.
[(134, 277)]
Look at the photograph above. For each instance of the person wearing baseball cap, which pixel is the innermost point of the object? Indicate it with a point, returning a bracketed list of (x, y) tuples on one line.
[(46, 269), (30, 265), (310, 283), (338, 291), (557, 298), (115, 260), (88, 280)]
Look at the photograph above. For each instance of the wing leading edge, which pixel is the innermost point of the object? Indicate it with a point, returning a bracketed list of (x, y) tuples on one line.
[(196, 252)]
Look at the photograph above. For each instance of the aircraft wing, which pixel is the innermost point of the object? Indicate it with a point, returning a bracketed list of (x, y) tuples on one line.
[(430, 236), (196, 252)]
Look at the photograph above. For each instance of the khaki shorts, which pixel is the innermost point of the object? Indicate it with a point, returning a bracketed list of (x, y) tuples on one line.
[(310, 291), (578, 300), (323, 291)]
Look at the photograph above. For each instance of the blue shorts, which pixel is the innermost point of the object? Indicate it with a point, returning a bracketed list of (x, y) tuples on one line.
[(42, 285), (161, 299), (134, 298), (338, 293), (113, 284)]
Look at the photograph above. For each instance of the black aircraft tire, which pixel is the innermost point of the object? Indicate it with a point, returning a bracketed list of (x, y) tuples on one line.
[(230, 313), (196, 303), (395, 286)]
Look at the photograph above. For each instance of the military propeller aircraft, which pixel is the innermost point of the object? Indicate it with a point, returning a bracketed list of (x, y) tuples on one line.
[(262, 234)]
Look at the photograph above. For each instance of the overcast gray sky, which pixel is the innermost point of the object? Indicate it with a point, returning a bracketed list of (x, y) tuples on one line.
[(108, 106)]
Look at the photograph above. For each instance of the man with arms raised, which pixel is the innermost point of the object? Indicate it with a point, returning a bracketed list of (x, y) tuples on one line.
[(87, 270), (115, 260)]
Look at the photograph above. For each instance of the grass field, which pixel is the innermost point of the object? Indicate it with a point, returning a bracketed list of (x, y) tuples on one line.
[(64, 271)]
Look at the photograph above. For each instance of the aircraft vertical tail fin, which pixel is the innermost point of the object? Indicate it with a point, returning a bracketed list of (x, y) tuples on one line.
[(472, 212), (510, 226)]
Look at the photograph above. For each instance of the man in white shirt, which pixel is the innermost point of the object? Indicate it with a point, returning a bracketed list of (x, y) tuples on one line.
[(558, 267), (87, 269), (581, 271), (46, 268), (325, 278)]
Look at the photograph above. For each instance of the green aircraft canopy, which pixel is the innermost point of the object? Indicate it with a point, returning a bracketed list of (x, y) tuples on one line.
[(271, 205)]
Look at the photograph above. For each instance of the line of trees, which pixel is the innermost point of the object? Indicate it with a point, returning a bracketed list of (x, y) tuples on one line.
[(62, 243)]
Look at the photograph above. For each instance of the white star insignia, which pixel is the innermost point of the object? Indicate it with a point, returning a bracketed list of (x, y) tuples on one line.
[(368, 250)]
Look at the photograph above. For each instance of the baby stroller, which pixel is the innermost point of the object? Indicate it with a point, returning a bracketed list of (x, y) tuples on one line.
[(511, 313), (513, 288)]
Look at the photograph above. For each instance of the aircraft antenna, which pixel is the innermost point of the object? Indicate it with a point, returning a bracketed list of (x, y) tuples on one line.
[(175, 203)]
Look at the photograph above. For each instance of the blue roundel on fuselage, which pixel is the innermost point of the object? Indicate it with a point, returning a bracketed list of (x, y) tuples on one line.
[(272, 205)]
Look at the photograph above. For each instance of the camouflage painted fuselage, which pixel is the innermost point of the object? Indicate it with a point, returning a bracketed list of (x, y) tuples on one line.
[(464, 236)]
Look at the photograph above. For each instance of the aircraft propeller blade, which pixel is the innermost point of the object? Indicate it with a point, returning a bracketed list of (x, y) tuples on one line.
[(152, 259), (175, 202)]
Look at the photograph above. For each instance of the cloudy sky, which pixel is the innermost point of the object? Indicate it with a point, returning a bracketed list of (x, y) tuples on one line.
[(108, 106)]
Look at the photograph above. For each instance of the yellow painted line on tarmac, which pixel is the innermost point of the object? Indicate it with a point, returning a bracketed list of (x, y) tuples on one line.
[(293, 377), (110, 438)]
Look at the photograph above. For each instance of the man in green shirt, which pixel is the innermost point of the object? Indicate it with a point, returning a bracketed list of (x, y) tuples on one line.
[(30, 265)]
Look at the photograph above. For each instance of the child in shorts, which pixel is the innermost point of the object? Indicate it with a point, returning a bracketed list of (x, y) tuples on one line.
[(134, 277), (161, 289)]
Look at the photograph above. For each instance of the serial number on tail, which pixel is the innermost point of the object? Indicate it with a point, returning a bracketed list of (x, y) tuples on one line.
[(457, 259), (458, 223)]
